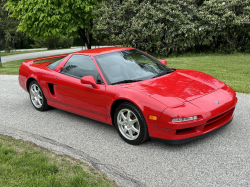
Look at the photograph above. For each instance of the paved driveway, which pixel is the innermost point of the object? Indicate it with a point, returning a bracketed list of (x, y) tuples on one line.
[(38, 54), (42, 54), (221, 159)]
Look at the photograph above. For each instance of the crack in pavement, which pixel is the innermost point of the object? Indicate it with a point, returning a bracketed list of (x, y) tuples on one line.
[(60, 148)]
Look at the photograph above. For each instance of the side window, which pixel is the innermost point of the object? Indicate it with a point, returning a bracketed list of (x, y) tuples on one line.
[(53, 65), (79, 66)]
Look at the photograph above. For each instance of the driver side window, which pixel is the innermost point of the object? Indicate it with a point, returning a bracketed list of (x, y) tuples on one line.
[(79, 66)]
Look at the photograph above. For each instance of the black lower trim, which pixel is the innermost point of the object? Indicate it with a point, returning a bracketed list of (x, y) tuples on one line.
[(181, 141)]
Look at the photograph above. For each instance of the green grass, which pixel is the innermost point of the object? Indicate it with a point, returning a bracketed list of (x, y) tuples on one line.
[(12, 67), (25, 164), (233, 69), (19, 52)]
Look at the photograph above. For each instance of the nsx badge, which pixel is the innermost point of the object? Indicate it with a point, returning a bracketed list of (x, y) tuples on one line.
[(217, 102)]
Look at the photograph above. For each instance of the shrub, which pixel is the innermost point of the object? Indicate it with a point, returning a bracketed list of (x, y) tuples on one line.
[(170, 26), (7, 44), (53, 43)]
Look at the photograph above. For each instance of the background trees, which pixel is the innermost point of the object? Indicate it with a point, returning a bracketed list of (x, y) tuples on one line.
[(162, 26), (168, 26), (54, 18), (8, 27), (226, 24)]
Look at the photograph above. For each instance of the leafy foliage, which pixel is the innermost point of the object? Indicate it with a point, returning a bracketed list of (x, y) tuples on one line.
[(7, 45), (168, 26), (226, 23), (8, 27), (53, 43), (53, 18), (158, 26)]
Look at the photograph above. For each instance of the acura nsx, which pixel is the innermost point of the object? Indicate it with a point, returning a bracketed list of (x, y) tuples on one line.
[(131, 90)]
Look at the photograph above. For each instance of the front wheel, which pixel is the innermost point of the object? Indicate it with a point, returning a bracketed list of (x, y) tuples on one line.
[(131, 124), (36, 96)]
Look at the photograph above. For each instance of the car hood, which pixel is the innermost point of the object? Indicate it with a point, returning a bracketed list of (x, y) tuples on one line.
[(177, 87)]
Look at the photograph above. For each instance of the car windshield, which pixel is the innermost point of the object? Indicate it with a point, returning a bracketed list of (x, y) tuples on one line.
[(129, 66)]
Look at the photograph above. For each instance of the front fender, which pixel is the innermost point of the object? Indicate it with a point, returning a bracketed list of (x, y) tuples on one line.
[(146, 104)]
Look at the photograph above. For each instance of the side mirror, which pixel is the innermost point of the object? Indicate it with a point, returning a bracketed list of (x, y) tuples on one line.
[(163, 61), (89, 80)]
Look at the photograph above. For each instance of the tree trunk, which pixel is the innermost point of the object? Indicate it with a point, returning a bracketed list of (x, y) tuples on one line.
[(47, 41), (89, 41), (86, 38), (89, 37)]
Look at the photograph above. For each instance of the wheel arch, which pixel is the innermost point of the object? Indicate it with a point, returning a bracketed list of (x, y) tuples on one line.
[(29, 80), (116, 103)]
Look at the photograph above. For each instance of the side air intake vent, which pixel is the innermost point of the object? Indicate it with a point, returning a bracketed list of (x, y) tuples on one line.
[(51, 88)]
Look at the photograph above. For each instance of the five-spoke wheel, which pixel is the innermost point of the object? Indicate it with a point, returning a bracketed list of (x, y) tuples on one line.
[(131, 124)]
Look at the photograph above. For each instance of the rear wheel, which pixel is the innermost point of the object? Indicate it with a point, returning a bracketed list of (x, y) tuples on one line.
[(37, 97), (131, 124)]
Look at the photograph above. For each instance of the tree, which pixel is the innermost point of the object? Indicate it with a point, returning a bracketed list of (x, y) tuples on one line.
[(151, 25), (168, 26), (54, 18), (7, 44), (226, 23), (8, 25), (8, 30)]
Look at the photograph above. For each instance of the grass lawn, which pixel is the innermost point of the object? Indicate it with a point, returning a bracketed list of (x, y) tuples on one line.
[(25, 164), (12, 67), (19, 52), (233, 69)]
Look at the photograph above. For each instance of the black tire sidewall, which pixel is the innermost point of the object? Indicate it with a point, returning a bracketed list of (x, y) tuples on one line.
[(143, 136), (44, 105)]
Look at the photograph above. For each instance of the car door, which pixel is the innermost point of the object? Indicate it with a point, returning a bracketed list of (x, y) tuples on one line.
[(81, 98)]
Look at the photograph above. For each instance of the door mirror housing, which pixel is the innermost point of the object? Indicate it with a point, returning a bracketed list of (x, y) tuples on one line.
[(89, 80), (163, 61)]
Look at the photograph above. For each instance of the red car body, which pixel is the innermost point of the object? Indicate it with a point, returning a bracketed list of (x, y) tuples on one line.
[(181, 94)]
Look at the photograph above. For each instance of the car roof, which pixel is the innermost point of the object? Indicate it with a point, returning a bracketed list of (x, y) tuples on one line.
[(101, 50)]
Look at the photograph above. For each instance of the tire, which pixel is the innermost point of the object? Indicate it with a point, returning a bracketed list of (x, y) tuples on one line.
[(37, 97), (133, 128)]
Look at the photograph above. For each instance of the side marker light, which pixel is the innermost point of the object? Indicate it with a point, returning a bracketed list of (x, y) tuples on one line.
[(152, 117)]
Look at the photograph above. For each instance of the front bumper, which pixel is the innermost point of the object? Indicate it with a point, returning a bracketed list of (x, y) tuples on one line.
[(211, 116), (187, 131), (181, 141)]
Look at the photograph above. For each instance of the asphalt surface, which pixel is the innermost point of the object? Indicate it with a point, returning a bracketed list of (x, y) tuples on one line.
[(41, 54), (33, 49), (221, 159)]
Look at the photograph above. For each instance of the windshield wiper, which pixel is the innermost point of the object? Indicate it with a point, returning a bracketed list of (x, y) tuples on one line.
[(164, 73), (126, 81)]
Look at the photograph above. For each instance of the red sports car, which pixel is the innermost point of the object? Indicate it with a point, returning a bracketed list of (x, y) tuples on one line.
[(131, 90)]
